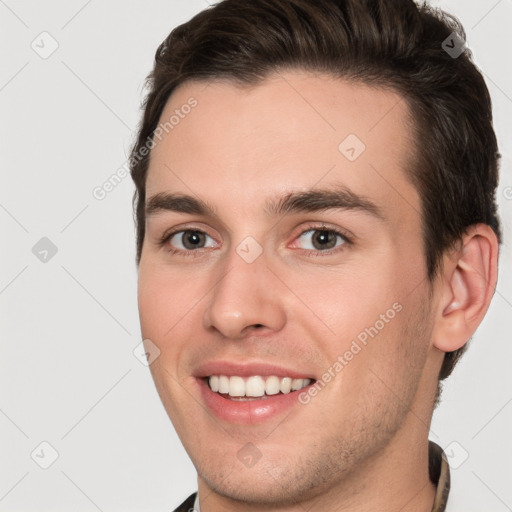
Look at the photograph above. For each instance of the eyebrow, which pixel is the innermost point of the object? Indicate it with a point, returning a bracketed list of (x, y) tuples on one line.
[(314, 200), (338, 197), (181, 203)]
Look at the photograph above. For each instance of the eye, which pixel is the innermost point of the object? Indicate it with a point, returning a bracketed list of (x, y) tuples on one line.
[(321, 239), (188, 240)]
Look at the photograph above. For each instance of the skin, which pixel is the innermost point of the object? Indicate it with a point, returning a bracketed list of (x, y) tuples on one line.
[(361, 443)]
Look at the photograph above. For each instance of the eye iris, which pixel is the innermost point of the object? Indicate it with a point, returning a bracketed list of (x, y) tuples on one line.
[(193, 239), (323, 239)]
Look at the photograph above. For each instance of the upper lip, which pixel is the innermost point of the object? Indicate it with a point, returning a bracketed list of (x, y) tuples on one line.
[(247, 369)]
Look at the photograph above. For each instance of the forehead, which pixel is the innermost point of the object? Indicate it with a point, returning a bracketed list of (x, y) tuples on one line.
[(240, 145)]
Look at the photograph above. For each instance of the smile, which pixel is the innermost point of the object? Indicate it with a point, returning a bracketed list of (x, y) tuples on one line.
[(255, 386), (250, 393)]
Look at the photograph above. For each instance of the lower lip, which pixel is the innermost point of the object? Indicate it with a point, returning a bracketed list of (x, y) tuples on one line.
[(247, 412)]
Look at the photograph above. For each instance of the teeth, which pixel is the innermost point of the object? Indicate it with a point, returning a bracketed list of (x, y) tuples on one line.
[(286, 385), (272, 386), (214, 383), (255, 386), (236, 386), (297, 384), (223, 384)]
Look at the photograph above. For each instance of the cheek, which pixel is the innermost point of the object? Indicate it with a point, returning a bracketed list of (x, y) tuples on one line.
[(381, 342), (394, 357), (164, 299), (350, 304), (166, 314)]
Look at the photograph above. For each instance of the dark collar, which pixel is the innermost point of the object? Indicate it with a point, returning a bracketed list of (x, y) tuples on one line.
[(439, 472), (187, 505)]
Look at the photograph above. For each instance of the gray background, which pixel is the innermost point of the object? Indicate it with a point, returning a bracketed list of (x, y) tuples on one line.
[(69, 320)]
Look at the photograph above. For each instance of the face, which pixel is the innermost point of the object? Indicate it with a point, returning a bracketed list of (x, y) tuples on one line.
[(283, 260)]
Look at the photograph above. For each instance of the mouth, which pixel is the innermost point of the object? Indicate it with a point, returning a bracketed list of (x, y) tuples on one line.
[(250, 393), (254, 387)]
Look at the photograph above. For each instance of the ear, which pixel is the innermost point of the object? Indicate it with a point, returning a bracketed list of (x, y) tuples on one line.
[(468, 282)]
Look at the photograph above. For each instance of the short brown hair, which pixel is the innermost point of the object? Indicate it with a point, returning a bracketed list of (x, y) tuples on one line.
[(394, 44)]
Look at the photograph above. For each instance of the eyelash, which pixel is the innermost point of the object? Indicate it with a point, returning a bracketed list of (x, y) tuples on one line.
[(167, 236), (347, 240)]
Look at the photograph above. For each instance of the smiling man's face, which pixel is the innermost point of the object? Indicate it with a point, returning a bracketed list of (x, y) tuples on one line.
[(290, 253)]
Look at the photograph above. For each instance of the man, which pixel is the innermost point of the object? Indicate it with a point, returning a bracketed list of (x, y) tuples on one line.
[(317, 242)]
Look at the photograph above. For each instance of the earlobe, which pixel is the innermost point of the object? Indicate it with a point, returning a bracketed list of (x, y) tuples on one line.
[(468, 283)]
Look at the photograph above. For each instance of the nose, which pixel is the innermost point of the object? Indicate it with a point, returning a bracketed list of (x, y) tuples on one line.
[(246, 297)]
